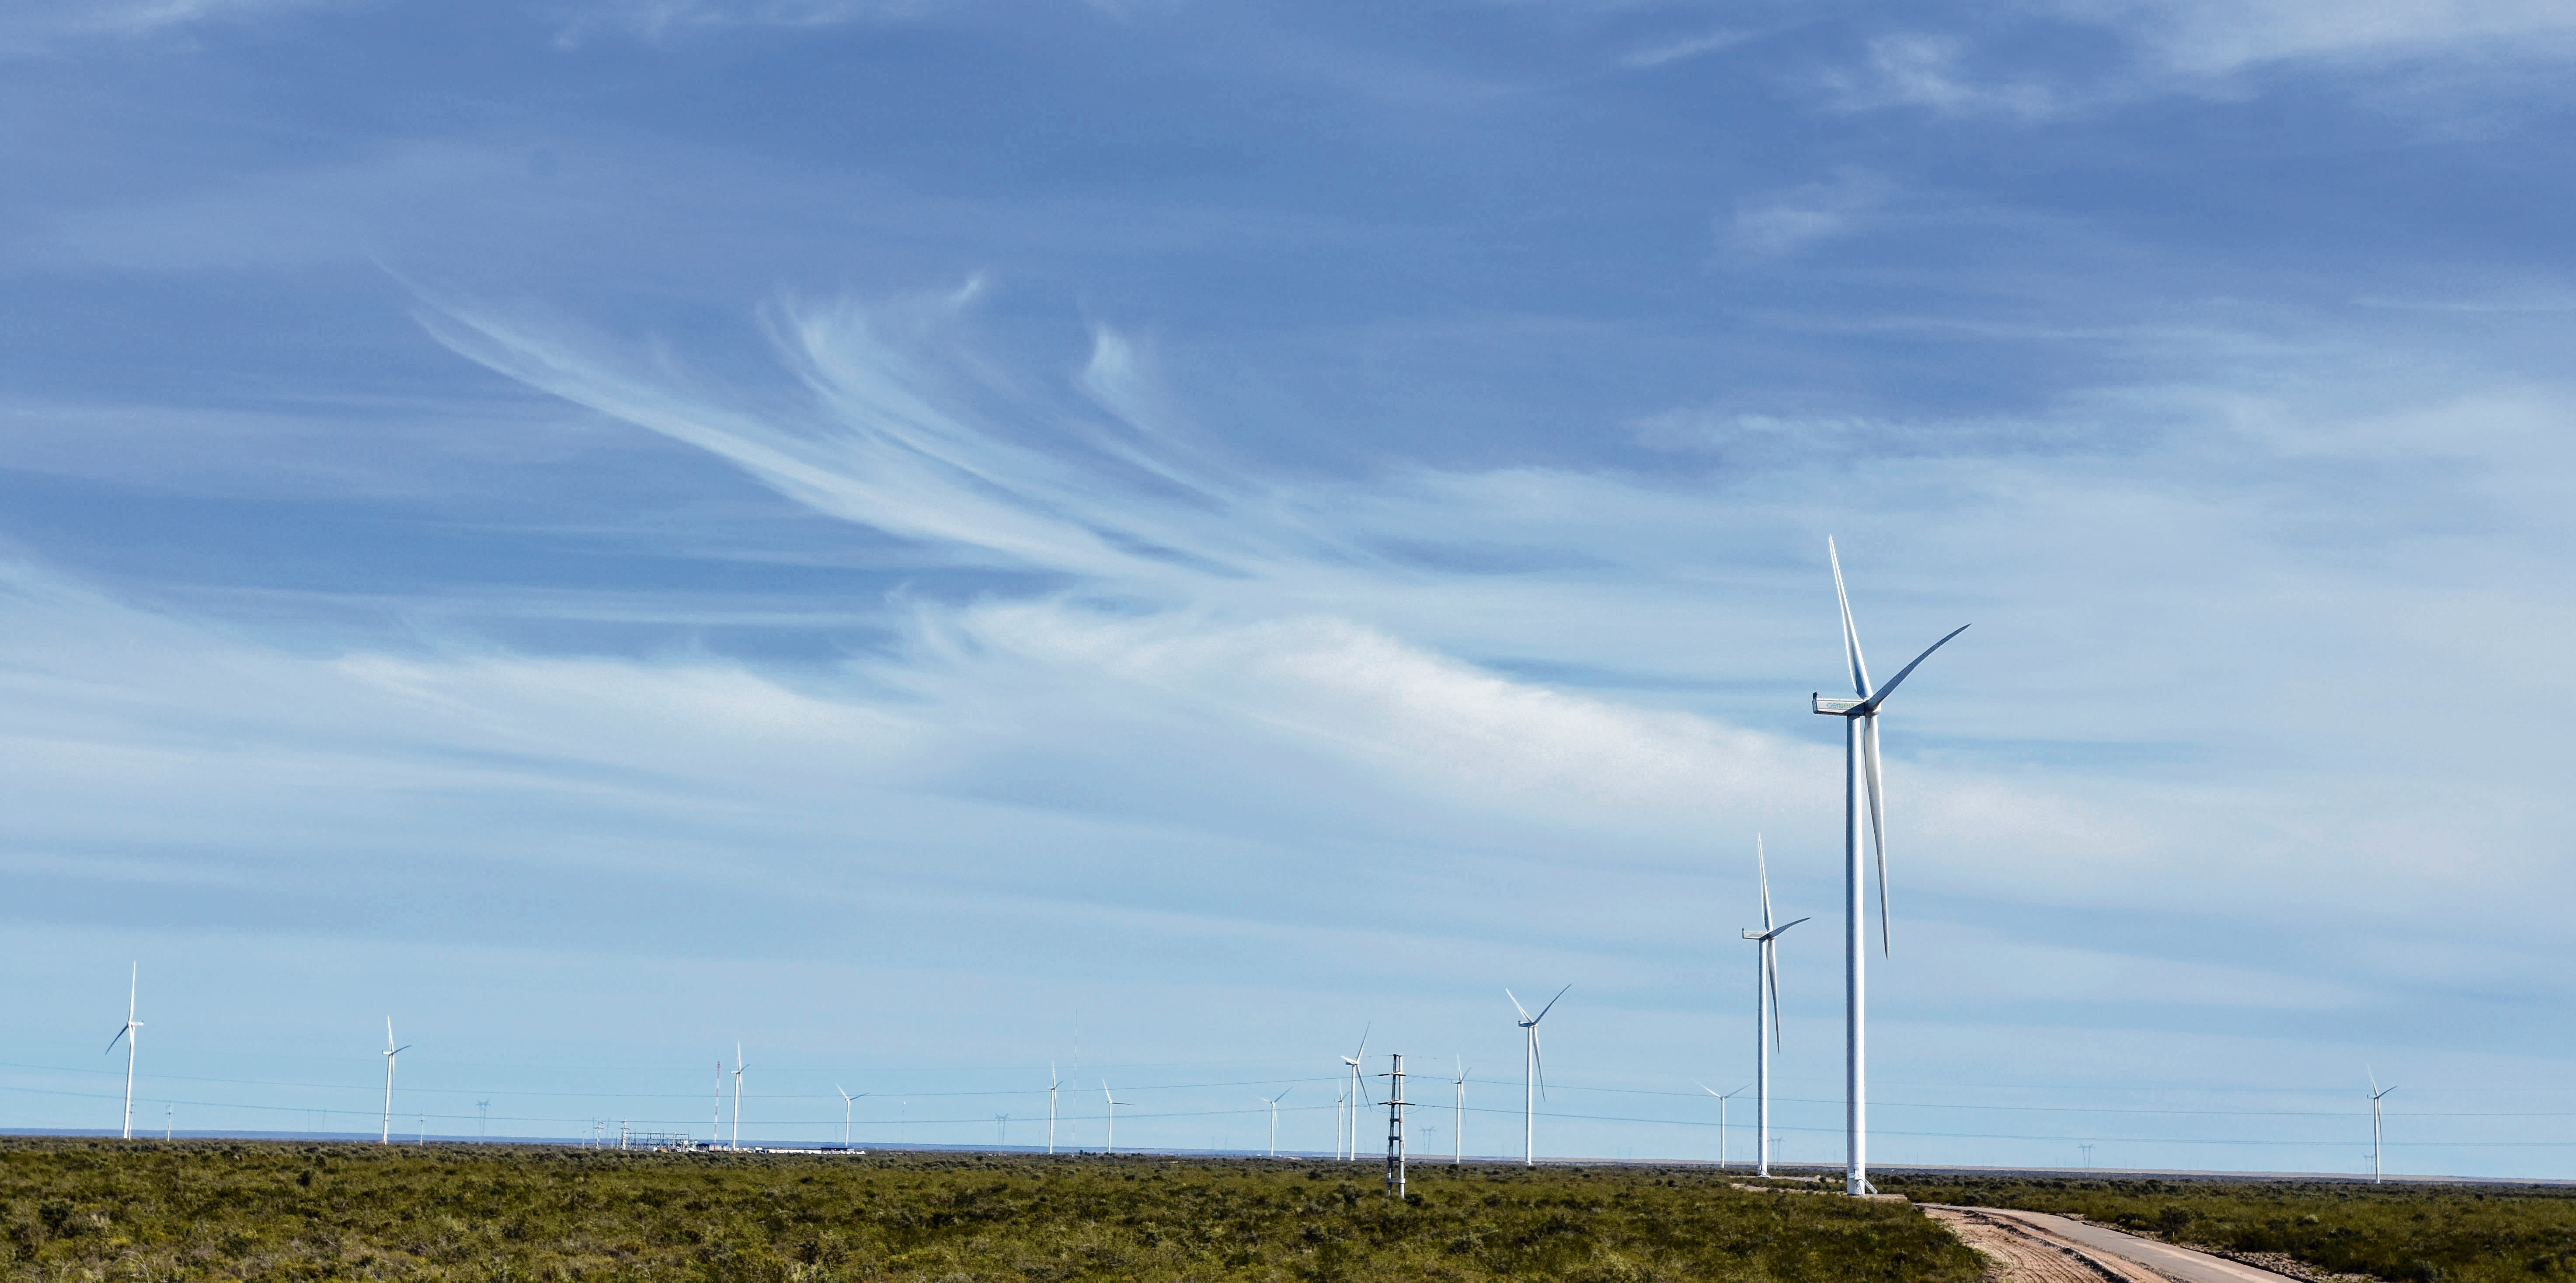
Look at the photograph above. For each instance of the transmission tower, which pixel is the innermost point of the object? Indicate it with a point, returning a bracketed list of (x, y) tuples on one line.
[(1395, 1103)]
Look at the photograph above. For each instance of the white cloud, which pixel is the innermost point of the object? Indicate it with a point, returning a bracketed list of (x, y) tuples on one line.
[(2201, 38), (1783, 223), (36, 26), (1683, 50), (1929, 71)]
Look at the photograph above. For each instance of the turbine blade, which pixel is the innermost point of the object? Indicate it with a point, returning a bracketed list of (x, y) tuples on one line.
[(1783, 928), (1516, 1003), (120, 1037), (1706, 1088), (1762, 870), (1771, 960), (1364, 1033), (1551, 1004), (1851, 633), (1870, 703), (2374, 1080), (1877, 829), (1538, 1062)]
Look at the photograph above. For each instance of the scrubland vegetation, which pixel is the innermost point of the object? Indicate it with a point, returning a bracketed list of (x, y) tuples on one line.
[(2405, 1233), (108, 1210)]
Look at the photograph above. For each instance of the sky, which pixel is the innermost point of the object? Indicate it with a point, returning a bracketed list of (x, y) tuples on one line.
[(935, 539)]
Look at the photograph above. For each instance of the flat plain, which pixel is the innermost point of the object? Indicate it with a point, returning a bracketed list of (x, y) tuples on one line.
[(113, 1210)]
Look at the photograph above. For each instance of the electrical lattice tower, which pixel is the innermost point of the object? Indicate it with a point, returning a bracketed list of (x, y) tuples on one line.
[(1395, 1103)]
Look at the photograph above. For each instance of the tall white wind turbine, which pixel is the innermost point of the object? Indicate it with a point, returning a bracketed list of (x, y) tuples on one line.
[(126, 1032), (1458, 1133), (1766, 984), (1860, 778), (1359, 1088), (1054, 1081), (737, 1096), (2376, 1092), (391, 1051), (1532, 1072), (1273, 1102), (847, 1100), (1114, 1103)]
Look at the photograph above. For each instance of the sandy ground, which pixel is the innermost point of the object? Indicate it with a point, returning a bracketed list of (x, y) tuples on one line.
[(2034, 1247)]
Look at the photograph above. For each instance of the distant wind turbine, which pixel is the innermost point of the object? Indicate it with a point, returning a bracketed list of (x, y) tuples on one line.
[(1054, 1080), (1722, 1098), (133, 981), (1458, 1134), (1273, 1102), (1532, 1072), (1359, 1087), (847, 1100), (1114, 1103), (391, 1051), (715, 1124), (1766, 983), (1860, 776), (737, 1096), (2376, 1092)]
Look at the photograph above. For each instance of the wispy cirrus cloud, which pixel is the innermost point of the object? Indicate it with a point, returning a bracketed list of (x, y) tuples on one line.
[(2203, 39), (1783, 223), (40, 25)]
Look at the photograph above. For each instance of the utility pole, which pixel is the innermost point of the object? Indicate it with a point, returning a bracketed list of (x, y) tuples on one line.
[(2088, 1155), (1395, 1103)]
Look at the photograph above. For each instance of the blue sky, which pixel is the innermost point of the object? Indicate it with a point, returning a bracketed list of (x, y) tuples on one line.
[(939, 538)]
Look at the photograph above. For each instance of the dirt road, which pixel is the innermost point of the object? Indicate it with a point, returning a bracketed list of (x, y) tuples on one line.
[(2035, 1247)]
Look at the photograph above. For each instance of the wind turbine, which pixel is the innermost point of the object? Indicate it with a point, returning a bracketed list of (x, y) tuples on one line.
[(2376, 1091), (1054, 1080), (1341, 1113), (391, 1051), (847, 1100), (1532, 1072), (1458, 1134), (1359, 1087), (1114, 1103), (126, 1032), (715, 1124), (1273, 1102), (1721, 1119), (737, 1096), (1860, 776), (1766, 981)]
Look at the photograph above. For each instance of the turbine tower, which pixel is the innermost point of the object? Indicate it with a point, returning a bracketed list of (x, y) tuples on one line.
[(1273, 1102), (1766, 982), (2376, 1092), (1532, 1072), (1860, 778), (126, 1032), (1054, 1080), (391, 1051)]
